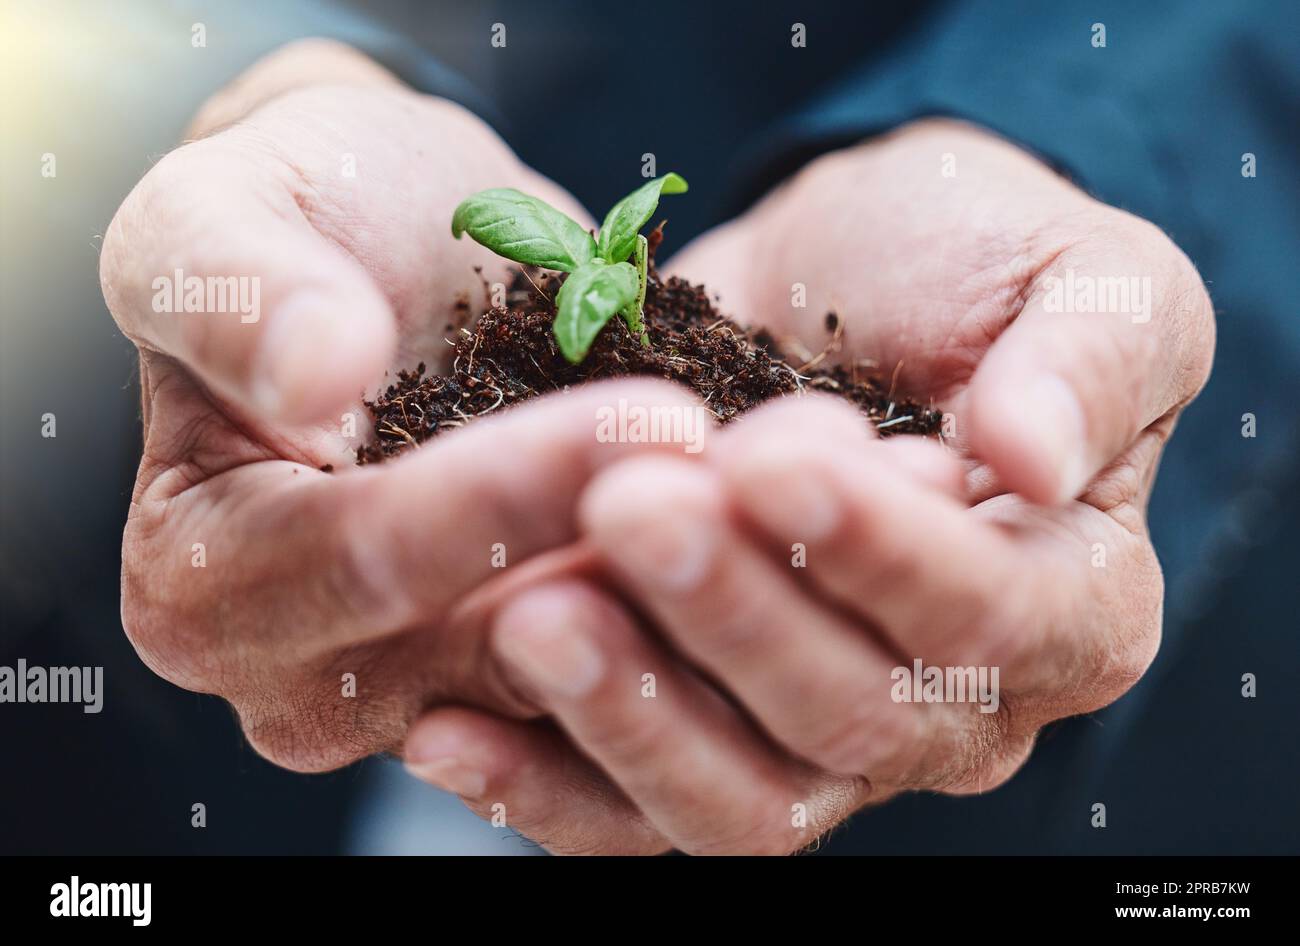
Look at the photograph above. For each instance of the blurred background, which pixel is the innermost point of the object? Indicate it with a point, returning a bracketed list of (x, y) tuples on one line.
[(1184, 762)]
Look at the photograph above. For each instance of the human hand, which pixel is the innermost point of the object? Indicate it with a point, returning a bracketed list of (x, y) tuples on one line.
[(774, 684), (958, 283), (247, 571)]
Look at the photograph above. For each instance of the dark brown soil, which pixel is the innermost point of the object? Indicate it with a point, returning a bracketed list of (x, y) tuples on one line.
[(510, 356)]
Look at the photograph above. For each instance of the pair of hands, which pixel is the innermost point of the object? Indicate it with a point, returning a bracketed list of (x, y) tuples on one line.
[(771, 683)]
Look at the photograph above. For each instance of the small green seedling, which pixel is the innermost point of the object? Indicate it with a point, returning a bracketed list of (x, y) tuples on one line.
[(602, 283)]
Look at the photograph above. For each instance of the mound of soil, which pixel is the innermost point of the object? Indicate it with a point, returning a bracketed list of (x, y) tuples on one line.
[(510, 356)]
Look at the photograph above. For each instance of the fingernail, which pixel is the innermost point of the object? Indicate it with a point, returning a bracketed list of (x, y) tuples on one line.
[(556, 660), (307, 338), (789, 496), (450, 775), (1054, 417), (672, 553)]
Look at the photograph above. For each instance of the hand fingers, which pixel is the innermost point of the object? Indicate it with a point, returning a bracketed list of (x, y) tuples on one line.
[(1117, 332), (942, 583), (820, 685), (677, 749), (297, 564), (529, 778), (212, 261), (314, 714)]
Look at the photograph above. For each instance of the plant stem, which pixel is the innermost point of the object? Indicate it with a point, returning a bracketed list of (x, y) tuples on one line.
[(636, 310)]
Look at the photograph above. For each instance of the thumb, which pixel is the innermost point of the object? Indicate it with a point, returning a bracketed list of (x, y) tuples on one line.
[(211, 260), (1112, 338)]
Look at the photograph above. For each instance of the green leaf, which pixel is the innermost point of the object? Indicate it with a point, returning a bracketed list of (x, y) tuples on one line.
[(626, 218), (590, 297), (524, 229)]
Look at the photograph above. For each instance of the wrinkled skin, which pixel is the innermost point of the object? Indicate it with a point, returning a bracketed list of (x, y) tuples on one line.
[(1033, 558), (309, 576), (771, 683)]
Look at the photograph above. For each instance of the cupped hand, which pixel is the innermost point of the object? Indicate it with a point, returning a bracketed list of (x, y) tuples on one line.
[(1053, 329), (773, 592), (319, 603)]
